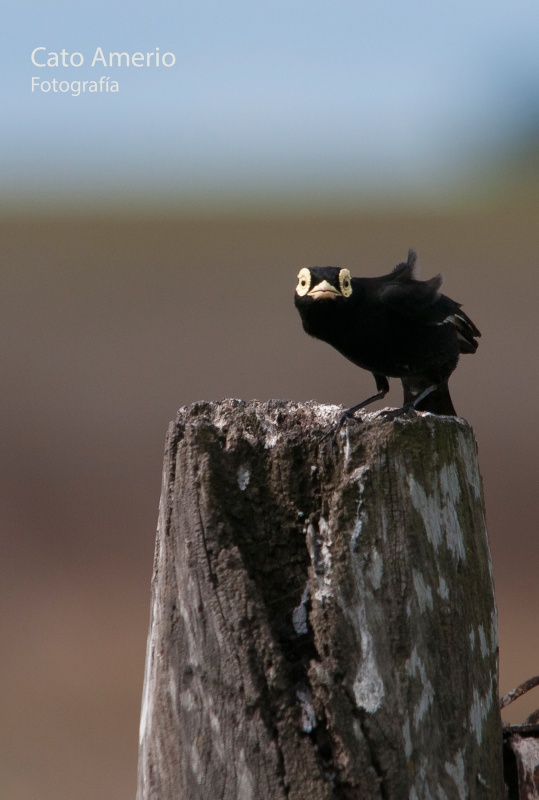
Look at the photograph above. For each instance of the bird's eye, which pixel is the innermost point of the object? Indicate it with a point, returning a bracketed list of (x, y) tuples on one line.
[(304, 282), (345, 283)]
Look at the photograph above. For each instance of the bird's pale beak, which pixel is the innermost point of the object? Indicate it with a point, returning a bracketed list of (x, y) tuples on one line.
[(324, 291)]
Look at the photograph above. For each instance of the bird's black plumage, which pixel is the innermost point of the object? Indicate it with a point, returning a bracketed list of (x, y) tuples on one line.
[(394, 326)]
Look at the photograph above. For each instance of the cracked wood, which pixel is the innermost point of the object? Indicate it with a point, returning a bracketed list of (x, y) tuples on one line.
[(323, 622)]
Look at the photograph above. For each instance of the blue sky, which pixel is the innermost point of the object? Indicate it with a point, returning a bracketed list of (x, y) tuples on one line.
[(295, 97)]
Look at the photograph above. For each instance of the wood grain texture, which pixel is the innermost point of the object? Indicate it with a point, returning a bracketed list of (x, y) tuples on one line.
[(323, 622)]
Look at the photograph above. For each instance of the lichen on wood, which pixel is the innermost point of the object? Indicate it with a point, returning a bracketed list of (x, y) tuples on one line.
[(323, 621)]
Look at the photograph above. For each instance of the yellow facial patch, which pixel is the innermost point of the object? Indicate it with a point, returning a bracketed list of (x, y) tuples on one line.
[(345, 283), (304, 282)]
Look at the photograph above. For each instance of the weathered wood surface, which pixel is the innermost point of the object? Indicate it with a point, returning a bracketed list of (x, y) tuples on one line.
[(323, 621), (522, 770), (521, 749)]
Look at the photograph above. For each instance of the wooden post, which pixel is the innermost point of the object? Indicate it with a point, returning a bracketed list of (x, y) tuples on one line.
[(323, 622)]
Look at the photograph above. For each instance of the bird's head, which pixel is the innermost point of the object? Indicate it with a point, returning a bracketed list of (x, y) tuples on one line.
[(323, 284)]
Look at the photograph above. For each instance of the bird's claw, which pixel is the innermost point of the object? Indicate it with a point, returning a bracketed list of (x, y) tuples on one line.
[(334, 431)]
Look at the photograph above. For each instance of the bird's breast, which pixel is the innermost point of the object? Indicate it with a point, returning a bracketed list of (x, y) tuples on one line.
[(374, 340)]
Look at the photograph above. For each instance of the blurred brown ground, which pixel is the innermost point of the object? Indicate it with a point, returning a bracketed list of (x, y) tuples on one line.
[(107, 327)]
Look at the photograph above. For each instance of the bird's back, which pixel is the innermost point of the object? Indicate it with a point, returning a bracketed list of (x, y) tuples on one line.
[(422, 303)]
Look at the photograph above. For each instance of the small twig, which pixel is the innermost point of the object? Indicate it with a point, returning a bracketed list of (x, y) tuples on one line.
[(519, 691), (522, 730)]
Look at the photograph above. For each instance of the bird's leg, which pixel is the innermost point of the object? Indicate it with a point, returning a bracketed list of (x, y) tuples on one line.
[(349, 413), (382, 385), (412, 405)]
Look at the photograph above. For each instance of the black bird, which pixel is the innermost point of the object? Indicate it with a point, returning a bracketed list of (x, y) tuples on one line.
[(394, 326)]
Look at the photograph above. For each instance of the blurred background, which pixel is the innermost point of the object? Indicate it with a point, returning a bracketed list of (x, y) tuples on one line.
[(150, 243)]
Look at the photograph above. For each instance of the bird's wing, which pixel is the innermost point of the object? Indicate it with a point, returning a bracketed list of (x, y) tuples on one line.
[(417, 300), (466, 330), (421, 302)]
